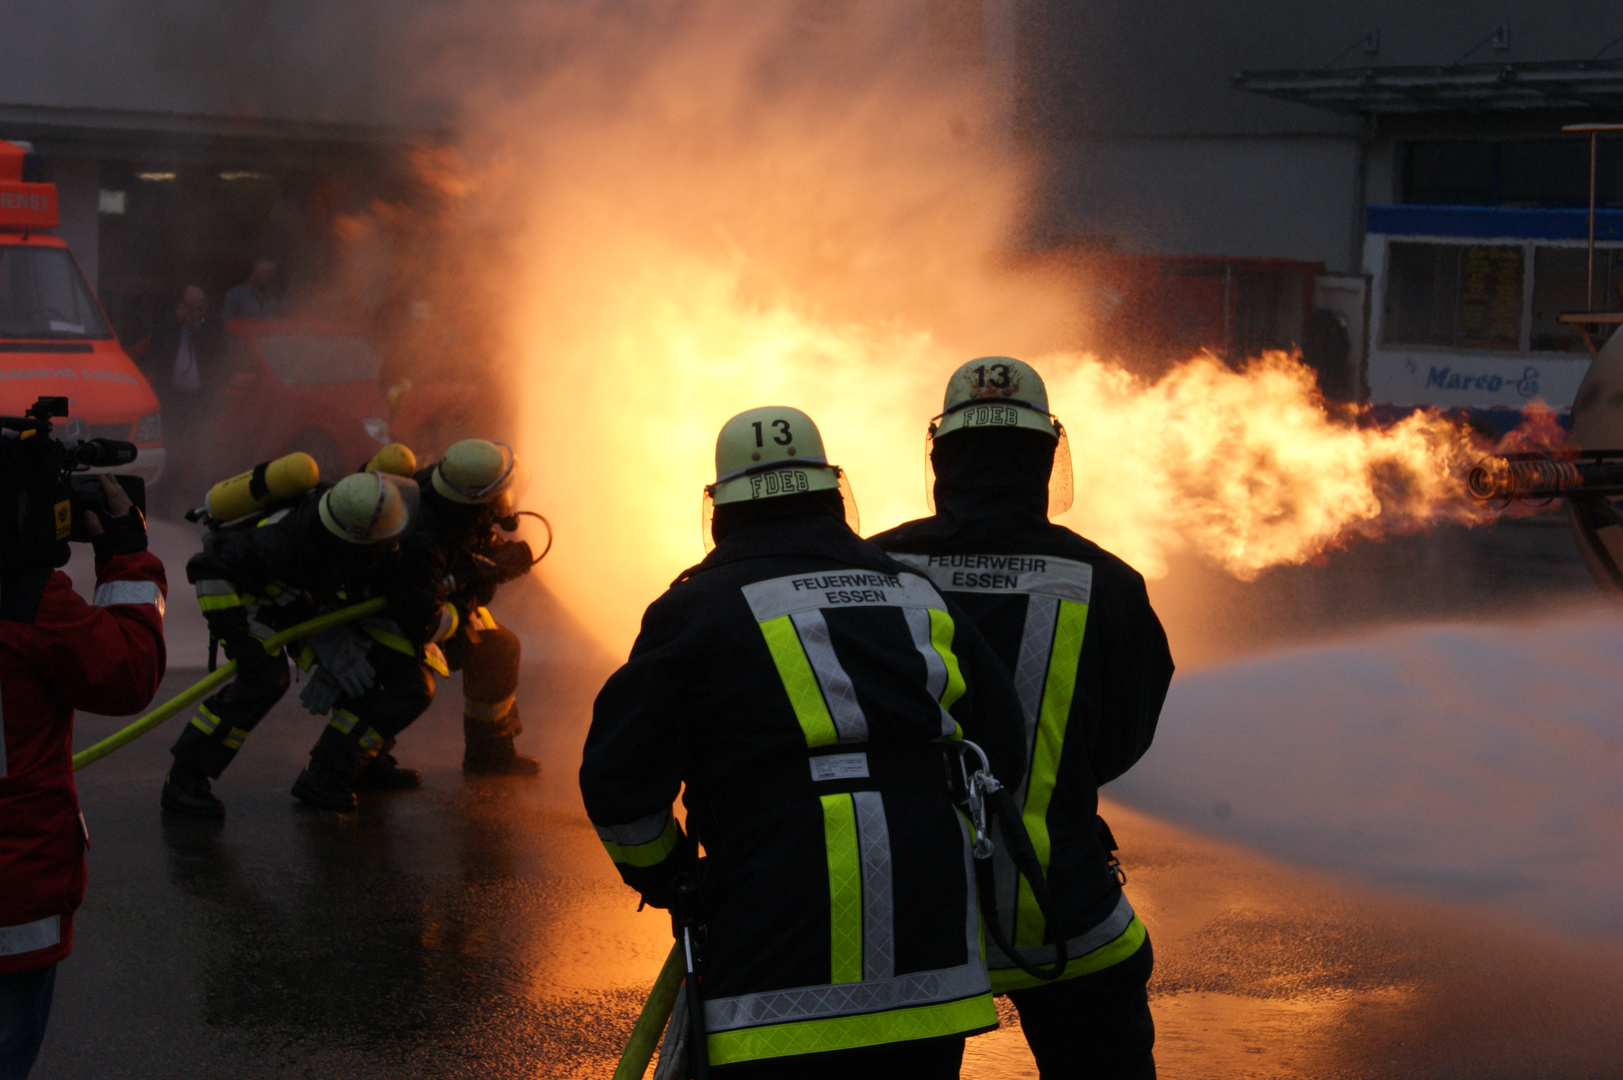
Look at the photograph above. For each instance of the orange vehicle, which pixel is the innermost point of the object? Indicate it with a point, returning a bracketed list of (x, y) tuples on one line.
[(54, 338)]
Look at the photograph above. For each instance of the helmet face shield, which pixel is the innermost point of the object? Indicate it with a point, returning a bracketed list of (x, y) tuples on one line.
[(1061, 489)]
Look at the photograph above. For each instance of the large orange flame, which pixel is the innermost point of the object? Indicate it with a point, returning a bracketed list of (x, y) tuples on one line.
[(730, 205)]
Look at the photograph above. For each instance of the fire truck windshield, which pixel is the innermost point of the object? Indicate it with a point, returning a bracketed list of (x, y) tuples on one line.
[(43, 295)]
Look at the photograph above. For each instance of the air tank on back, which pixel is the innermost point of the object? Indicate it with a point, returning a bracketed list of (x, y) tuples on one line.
[(1597, 424)]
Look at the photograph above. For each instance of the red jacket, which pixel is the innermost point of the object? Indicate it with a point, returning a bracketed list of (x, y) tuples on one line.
[(59, 653)]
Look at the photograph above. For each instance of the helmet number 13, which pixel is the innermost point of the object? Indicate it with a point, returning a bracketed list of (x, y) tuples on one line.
[(999, 381), (782, 438)]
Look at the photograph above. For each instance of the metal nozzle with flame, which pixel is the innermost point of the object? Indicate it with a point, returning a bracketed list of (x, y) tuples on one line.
[(1547, 475)]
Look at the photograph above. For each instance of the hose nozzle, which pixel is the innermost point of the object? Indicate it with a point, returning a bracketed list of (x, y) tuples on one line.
[(1523, 476)]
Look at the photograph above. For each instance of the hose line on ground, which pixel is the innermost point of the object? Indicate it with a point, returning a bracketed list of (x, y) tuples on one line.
[(206, 685), (655, 1011)]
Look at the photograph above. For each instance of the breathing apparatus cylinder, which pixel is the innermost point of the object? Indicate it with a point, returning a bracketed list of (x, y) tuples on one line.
[(396, 459), (264, 484)]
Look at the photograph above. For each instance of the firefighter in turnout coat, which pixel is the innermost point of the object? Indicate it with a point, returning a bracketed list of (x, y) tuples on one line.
[(327, 550), (806, 690), (1091, 666), (457, 549)]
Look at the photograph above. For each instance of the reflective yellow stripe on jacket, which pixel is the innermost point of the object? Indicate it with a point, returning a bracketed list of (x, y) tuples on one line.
[(644, 842), (865, 1002)]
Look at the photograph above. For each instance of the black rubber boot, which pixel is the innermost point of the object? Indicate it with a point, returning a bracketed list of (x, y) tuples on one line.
[(323, 789), (383, 773), (186, 791), (493, 755)]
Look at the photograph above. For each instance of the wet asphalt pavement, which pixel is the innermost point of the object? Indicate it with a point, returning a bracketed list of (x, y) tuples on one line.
[(476, 929)]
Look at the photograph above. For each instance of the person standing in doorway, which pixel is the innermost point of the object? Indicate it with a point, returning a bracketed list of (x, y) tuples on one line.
[(256, 297)]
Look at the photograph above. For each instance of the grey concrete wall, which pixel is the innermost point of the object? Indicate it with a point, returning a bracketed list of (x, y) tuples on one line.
[(1251, 197), (78, 194), (304, 60)]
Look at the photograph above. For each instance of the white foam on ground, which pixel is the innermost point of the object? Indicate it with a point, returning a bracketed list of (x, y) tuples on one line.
[(1479, 764)]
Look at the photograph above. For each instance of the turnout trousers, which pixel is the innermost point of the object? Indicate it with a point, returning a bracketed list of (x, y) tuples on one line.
[(359, 729), (489, 669), (927, 1059), (1095, 1026)]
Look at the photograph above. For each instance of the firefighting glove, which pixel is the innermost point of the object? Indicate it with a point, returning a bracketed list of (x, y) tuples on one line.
[(247, 650), (513, 559), (320, 693), (342, 655), (123, 535)]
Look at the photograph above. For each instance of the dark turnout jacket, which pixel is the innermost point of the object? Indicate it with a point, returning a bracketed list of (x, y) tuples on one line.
[(1090, 662), (803, 686), (288, 567)]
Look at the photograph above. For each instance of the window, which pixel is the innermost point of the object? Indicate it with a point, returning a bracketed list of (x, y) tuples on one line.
[(1454, 295), (43, 295), (1511, 172), (1560, 283), (1452, 173), (319, 358)]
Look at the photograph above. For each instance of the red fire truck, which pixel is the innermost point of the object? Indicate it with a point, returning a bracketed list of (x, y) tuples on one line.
[(54, 337)]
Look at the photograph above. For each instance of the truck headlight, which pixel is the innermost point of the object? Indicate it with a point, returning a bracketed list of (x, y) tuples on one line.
[(148, 429)]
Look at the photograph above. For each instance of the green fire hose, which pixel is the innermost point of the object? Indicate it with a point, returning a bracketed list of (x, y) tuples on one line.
[(645, 1036), (214, 678)]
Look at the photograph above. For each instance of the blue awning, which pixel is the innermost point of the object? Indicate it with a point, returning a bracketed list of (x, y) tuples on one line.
[(1488, 222)]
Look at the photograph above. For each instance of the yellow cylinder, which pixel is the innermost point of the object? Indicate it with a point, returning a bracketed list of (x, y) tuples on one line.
[(264, 484), (396, 459)]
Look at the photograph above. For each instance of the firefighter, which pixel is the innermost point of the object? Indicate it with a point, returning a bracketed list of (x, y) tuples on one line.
[(329, 549), (806, 689), (466, 495), (1091, 665)]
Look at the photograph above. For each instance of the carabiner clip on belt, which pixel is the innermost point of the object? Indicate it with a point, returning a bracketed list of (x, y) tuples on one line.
[(986, 797)]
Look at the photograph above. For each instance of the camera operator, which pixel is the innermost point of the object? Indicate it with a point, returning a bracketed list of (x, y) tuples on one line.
[(59, 653)]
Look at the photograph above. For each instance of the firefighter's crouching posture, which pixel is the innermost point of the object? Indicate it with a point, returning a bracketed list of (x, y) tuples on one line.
[(456, 546), (805, 688), (1091, 665), (327, 550)]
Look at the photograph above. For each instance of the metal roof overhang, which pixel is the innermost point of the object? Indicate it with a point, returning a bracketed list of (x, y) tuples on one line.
[(1475, 88), (167, 137)]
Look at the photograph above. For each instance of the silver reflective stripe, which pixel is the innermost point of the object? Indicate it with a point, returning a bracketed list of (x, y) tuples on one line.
[(836, 589), (641, 831), (973, 920), (846, 999), (838, 692), (878, 896), (1030, 679), (30, 937), (129, 592), (935, 668), (1075, 948), (215, 587), (1031, 575)]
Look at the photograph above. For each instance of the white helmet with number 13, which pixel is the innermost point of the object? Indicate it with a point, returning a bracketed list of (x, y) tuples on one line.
[(770, 452), (992, 392)]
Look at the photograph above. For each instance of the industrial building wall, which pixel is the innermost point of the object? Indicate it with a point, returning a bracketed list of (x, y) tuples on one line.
[(1250, 197)]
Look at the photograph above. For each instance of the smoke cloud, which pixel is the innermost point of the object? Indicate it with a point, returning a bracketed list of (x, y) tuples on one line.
[(707, 207)]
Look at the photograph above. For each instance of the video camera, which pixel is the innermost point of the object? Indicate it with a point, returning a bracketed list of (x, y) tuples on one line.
[(42, 502)]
